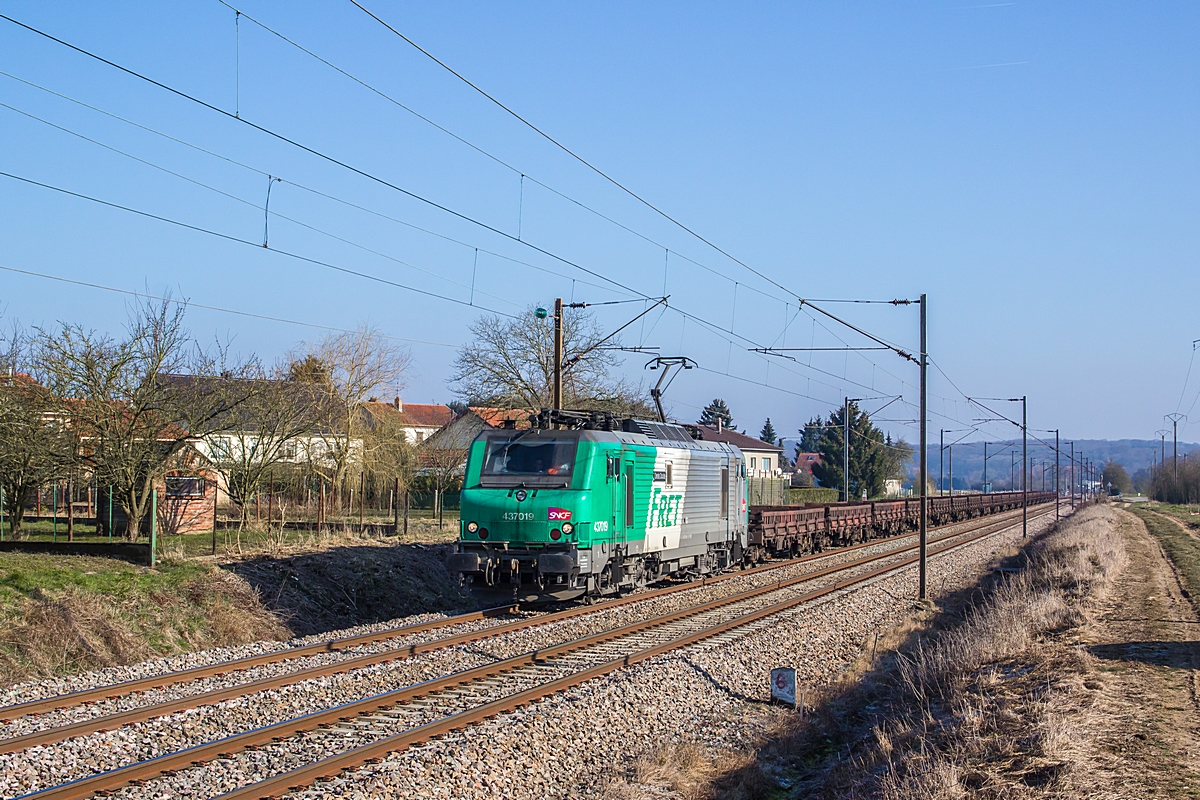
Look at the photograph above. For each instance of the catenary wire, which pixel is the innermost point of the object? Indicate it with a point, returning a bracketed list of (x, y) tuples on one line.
[(572, 154), (303, 187), (231, 238), (255, 206), (193, 304)]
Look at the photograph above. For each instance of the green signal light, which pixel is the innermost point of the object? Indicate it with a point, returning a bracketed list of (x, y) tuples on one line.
[(541, 313)]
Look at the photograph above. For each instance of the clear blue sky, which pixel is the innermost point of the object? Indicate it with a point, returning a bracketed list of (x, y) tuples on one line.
[(1033, 167)]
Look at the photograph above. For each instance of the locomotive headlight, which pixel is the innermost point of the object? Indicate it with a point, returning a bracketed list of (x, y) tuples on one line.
[(472, 527), (568, 528)]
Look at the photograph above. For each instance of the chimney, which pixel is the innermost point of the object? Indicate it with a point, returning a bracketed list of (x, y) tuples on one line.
[(718, 424), (399, 406)]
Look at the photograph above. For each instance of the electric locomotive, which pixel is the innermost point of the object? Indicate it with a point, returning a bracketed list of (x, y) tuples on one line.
[(583, 505)]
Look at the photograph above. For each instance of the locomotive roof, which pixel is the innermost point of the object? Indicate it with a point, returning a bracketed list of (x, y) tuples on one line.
[(637, 431)]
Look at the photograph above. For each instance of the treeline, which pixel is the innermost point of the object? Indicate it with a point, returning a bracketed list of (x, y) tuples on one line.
[(1168, 487)]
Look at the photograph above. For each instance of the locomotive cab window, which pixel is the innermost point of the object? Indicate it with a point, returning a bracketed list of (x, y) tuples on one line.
[(529, 459)]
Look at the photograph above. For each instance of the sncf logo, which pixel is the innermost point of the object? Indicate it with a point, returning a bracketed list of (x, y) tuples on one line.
[(559, 515)]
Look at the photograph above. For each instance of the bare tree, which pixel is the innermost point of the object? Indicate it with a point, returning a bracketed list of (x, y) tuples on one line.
[(388, 455), (37, 445), (135, 417), (511, 364), (260, 434), (442, 466), (345, 369)]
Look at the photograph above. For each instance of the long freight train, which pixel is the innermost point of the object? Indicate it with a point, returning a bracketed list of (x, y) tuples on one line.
[(588, 505)]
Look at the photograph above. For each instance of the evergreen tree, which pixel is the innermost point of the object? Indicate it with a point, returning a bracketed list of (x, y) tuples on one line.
[(717, 410), (811, 436), (768, 432), (870, 463)]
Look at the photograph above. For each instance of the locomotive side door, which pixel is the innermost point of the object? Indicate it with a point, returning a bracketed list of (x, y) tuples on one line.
[(616, 492), (628, 502), (725, 495)]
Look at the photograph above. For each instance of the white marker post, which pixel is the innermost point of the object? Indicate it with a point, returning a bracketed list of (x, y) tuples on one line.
[(783, 686)]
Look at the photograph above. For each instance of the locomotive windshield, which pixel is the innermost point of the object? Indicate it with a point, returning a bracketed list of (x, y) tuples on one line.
[(532, 459)]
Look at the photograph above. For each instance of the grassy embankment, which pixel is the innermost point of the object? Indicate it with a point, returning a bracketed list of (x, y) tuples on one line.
[(978, 700), (64, 614)]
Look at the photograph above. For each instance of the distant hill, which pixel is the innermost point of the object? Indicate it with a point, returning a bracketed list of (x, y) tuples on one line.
[(1132, 454)]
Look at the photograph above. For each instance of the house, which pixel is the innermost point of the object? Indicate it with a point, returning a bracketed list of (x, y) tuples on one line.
[(804, 466), (419, 420), (762, 458)]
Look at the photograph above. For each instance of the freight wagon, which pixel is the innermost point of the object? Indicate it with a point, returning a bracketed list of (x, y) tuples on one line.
[(586, 505), (792, 530)]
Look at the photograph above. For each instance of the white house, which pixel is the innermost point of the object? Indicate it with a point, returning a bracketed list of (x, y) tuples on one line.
[(763, 459)]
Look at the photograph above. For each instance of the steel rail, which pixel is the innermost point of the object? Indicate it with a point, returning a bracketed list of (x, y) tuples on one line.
[(200, 754), (112, 691), (297, 779), (109, 691)]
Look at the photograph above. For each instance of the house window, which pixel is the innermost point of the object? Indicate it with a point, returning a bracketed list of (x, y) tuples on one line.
[(753, 462), (420, 436), (184, 486), (767, 464), (288, 451)]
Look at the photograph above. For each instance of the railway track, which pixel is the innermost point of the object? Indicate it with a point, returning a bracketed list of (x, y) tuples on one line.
[(322, 744), (348, 661)]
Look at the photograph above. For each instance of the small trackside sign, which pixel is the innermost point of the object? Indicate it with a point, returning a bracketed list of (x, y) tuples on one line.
[(783, 686), (559, 515)]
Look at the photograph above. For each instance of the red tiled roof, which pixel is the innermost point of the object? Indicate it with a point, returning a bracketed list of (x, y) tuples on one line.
[(496, 416), (413, 415), (426, 415)]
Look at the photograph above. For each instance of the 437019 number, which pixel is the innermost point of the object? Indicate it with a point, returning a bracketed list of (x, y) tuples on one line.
[(518, 515)]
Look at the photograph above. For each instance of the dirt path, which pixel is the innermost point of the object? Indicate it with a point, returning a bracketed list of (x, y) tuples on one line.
[(1145, 720)]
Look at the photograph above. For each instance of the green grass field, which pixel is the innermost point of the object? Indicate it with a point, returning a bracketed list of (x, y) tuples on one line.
[(1182, 548)]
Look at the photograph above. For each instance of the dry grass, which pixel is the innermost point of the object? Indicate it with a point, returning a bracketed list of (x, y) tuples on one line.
[(983, 703), (688, 772), (68, 617)]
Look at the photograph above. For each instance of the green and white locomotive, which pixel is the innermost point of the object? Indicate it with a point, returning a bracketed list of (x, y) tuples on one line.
[(588, 504)]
